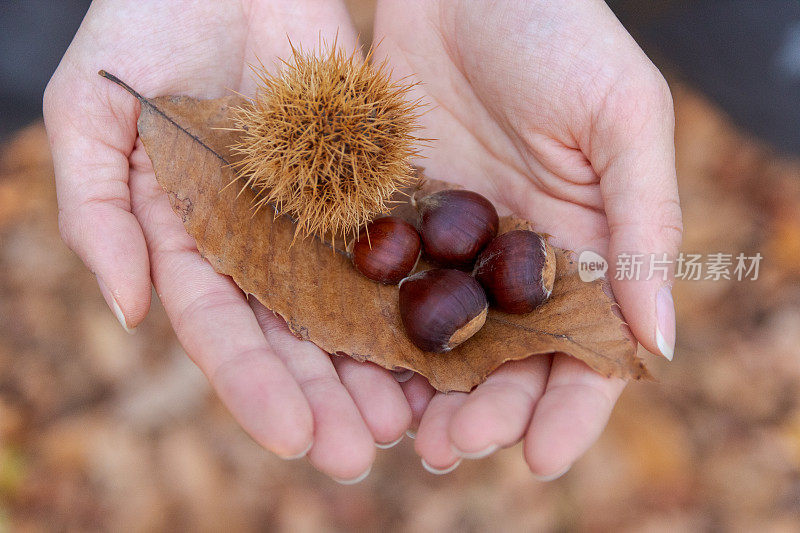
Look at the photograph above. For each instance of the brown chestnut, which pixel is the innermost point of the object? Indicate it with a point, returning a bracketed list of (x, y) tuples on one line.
[(387, 249), (441, 308), (455, 225), (517, 270)]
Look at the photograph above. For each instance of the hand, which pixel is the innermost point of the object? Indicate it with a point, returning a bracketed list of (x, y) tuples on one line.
[(289, 395), (551, 110)]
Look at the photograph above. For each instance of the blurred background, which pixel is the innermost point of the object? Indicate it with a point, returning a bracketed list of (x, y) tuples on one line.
[(104, 431)]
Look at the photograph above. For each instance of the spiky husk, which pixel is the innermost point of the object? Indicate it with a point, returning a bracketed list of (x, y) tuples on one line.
[(327, 140)]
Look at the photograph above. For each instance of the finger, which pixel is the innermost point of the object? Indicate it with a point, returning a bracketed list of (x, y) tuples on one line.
[(217, 328), (633, 149), (379, 399), (343, 446), (433, 441), (418, 393), (497, 413), (569, 417), (94, 201)]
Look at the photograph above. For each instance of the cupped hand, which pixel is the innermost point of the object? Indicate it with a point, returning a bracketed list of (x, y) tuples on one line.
[(551, 110), (289, 395)]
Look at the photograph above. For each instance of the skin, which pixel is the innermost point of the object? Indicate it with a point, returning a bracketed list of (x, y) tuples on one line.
[(546, 109), (288, 395), (552, 111)]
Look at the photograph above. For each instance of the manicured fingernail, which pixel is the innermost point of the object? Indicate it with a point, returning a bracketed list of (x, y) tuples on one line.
[(665, 330), (552, 477), (112, 303), (402, 375), (355, 480), (388, 445), (489, 450), (411, 434), (299, 455), (438, 472)]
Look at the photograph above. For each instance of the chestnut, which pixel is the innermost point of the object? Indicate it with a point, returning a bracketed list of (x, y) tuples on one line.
[(441, 308), (455, 225), (517, 270), (387, 249)]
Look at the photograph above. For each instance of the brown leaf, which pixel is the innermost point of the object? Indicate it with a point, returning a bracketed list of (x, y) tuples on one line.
[(324, 299)]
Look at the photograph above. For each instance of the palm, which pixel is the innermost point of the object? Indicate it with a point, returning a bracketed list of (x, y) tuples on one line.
[(287, 394), (515, 91)]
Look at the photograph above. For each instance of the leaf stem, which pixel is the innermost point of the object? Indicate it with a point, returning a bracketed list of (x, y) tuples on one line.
[(107, 75)]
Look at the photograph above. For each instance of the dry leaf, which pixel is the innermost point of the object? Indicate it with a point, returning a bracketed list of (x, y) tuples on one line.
[(324, 299)]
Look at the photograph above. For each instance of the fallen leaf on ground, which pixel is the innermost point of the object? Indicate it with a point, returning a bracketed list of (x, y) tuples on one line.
[(324, 299)]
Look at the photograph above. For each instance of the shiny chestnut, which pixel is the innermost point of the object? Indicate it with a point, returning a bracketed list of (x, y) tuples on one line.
[(455, 225), (387, 249), (517, 270), (441, 308)]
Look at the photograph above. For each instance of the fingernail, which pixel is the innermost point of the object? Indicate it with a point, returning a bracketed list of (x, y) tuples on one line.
[(355, 480), (112, 303), (489, 450), (552, 477), (402, 375), (665, 329), (438, 472), (411, 434), (299, 455), (386, 446)]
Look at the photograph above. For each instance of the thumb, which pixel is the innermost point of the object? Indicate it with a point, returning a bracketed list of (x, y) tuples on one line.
[(635, 155)]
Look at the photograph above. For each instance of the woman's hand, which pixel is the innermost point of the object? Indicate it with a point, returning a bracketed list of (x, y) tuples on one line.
[(551, 110), (289, 395)]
